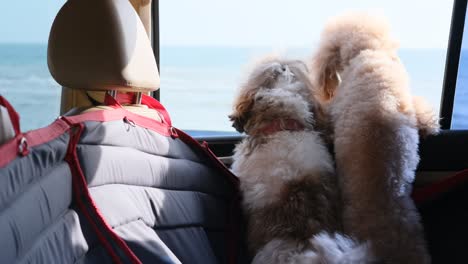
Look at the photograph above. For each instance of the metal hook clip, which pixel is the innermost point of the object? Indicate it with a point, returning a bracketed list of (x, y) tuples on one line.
[(128, 121), (23, 148)]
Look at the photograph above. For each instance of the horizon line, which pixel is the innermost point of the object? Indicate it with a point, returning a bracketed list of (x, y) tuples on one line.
[(221, 46)]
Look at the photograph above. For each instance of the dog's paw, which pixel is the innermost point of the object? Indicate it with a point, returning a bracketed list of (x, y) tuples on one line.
[(427, 120), (337, 248), (306, 257), (281, 251)]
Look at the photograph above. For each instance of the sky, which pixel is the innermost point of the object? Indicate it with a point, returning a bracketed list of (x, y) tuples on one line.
[(277, 23), (27, 21), (465, 35)]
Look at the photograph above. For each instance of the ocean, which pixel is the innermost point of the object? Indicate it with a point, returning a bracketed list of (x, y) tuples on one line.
[(460, 105), (198, 84)]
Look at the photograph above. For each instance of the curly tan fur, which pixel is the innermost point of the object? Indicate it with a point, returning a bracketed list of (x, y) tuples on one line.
[(375, 122)]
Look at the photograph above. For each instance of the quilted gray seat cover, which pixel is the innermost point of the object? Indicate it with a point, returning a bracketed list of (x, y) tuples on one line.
[(159, 195), (37, 222), (156, 193)]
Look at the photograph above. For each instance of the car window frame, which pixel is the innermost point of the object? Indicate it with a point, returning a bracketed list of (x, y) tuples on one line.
[(155, 41), (451, 63)]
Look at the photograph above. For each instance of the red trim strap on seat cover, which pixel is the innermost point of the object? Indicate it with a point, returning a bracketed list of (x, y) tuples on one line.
[(163, 128), (427, 193), (33, 138), (21, 143), (156, 105), (121, 114), (87, 206), (129, 98)]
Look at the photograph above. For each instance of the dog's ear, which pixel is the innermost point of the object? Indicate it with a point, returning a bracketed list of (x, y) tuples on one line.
[(330, 81), (242, 111), (426, 117), (325, 67), (238, 122)]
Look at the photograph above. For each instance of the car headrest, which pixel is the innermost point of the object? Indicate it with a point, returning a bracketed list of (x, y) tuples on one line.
[(6, 126), (100, 46)]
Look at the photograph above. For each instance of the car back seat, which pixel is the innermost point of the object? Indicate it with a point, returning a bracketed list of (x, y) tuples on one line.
[(112, 186), (108, 185)]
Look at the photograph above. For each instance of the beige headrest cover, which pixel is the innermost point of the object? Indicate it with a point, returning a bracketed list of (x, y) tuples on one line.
[(101, 45)]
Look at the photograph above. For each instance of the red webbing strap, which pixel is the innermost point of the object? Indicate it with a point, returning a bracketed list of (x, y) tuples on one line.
[(12, 113), (42, 135), (233, 219), (87, 206), (156, 105), (20, 145), (427, 193), (204, 147), (122, 114), (111, 101), (129, 98)]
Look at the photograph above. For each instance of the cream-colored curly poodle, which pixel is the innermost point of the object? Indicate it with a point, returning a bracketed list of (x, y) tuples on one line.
[(375, 122)]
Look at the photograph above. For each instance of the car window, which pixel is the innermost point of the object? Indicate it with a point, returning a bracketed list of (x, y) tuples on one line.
[(460, 105), (206, 46), (24, 76)]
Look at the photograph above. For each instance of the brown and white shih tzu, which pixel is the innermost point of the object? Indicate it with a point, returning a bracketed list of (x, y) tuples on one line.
[(288, 182)]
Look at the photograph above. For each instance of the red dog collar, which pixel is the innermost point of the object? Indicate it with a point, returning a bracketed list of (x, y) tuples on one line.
[(280, 125)]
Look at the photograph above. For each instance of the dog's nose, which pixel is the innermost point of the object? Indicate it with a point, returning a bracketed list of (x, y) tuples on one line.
[(287, 72)]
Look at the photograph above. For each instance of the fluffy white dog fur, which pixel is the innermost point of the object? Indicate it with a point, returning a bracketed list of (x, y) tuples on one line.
[(287, 177), (375, 123)]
